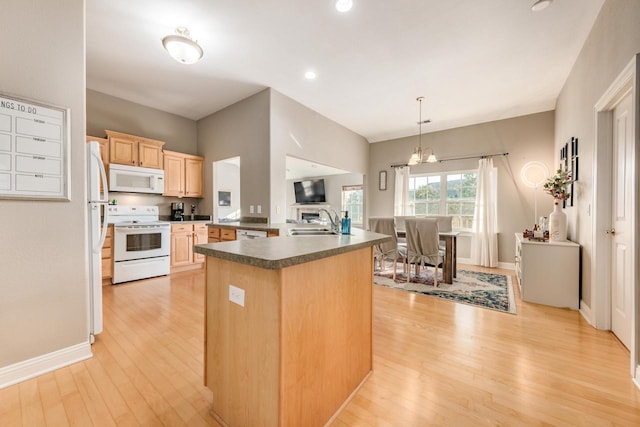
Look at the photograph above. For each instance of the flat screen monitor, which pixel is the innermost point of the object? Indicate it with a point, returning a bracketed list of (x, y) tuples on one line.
[(310, 191)]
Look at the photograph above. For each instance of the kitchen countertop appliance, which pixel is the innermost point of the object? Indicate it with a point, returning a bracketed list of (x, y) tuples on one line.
[(177, 211), (141, 243)]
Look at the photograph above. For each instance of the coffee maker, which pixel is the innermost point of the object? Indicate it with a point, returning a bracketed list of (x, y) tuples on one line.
[(177, 211)]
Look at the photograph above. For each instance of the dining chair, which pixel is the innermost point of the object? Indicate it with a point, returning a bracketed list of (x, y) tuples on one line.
[(423, 247), (445, 224), (400, 225), (389, 250)]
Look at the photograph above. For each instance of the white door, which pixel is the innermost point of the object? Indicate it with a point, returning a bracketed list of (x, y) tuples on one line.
[(622, 253)]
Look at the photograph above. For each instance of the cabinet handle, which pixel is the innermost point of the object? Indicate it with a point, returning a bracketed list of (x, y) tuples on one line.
[(133, 162)]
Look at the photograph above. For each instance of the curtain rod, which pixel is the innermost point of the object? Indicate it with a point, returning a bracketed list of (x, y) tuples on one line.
[(479, 156)]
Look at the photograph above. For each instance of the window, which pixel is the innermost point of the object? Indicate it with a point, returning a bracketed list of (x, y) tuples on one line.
[(445, 193), (352, 201)]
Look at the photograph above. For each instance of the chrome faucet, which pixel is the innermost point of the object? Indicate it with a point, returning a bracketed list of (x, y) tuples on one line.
[(335, 222)]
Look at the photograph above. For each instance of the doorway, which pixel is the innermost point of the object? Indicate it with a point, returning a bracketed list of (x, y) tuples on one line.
[(622, 221), (615, 275), (226, 190)]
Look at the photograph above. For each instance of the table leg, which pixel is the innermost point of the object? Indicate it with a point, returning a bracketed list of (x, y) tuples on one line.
[(449, 260), (454, 253)]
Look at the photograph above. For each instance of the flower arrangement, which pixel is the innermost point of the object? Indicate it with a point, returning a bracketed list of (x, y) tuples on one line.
[(557, 185)]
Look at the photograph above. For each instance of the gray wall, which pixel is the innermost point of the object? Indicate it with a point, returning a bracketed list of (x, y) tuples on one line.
[(179, 134), (525, 138), (241, 129), (263, 130), (613, 41), (332, 187), (108, 112), (43, 256), (301, 132)]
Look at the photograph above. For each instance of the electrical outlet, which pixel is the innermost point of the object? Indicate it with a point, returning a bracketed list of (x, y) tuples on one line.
[(251, 209), (259, 208), (236, 295)]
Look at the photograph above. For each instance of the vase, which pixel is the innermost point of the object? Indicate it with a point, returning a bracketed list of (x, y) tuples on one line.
[(557, 224)]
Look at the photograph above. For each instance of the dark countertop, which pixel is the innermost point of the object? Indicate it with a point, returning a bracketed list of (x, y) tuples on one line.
[(284, 251), (187, 219), (250, 226)]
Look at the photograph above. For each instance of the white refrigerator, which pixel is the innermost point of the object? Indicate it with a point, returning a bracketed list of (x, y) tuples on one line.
[(97, 221)]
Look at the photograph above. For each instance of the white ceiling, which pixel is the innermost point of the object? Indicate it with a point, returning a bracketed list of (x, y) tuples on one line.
[(473, 60)]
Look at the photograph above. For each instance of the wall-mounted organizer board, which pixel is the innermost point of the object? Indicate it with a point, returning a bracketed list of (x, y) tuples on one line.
[(34, 150)]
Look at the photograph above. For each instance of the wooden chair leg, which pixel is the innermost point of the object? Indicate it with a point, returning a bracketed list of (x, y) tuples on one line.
[(395, 262), (435, 276)]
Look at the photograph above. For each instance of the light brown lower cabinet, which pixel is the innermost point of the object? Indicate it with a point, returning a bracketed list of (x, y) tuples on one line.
[(227, 234), (183, 238), (107, 256), (214, 235)]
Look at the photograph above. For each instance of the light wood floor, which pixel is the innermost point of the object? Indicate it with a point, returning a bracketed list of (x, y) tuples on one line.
[(435, 363)]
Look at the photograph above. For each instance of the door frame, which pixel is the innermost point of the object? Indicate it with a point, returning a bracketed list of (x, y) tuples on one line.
[(627, 82)]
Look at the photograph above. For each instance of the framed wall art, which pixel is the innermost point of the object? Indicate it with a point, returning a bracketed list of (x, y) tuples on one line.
[(382, 180)]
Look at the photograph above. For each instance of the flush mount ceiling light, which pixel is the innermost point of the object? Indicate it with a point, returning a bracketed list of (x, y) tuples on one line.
[(418, 155), (310, 75), (540, 5), (344, 5), (181, 47)]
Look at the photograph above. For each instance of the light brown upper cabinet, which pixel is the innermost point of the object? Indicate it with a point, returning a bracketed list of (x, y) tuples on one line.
[(104, 147), (134, 150), (183, 175)]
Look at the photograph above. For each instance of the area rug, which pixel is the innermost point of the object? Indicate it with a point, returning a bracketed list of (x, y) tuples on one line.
[(486, 290)]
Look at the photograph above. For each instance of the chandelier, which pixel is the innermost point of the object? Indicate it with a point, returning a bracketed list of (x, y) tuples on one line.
[(418, 155)]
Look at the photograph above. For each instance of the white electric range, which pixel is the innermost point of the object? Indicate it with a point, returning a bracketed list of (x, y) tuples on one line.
[(141, 243)]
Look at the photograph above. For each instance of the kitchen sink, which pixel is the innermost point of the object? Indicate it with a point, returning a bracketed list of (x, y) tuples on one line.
[(311, 232)]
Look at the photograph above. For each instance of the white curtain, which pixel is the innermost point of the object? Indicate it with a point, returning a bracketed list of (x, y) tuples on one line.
[(401, 194), (484, 242)]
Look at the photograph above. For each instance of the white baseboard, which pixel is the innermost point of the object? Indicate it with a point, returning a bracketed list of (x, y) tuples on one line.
[(30, 368), (586, 313), (505, 265)]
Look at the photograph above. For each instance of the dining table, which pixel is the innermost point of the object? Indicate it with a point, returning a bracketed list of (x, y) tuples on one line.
[(449, 266)]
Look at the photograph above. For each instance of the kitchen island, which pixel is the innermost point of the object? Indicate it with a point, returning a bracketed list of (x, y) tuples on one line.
[(288, 328)]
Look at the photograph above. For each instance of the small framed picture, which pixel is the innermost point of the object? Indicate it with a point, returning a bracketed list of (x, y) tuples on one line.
[(224, 198), (382, 180)]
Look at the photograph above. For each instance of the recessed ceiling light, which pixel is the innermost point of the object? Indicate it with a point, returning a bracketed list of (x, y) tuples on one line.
[(344, 5), (310, 75), (540, 5)]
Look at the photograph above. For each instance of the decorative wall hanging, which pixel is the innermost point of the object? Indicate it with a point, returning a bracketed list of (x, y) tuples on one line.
[(34, 150), (382, 181)]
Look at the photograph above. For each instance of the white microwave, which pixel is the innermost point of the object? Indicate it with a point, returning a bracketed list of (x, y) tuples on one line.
[(134, 179)]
